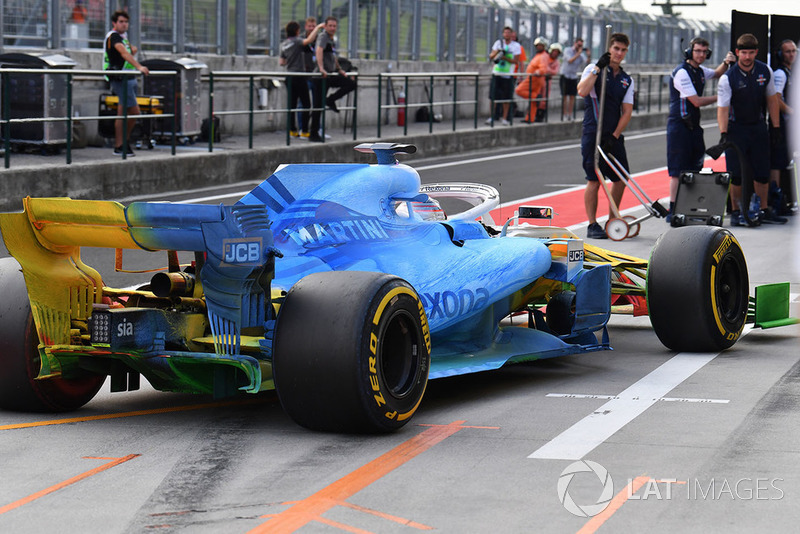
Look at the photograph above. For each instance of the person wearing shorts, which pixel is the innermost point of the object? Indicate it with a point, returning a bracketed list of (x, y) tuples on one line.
[(685, 145), (118, 55), (744, 95), (575, 59), (617, 112), (505, 55)]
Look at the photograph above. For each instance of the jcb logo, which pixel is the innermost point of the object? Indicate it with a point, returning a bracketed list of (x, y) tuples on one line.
[(575, 255), (241, 251)]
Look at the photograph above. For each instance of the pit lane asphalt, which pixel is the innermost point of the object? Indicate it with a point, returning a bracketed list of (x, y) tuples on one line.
[(691, 463)]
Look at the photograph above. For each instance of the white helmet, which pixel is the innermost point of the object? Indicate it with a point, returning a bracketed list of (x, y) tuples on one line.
[(556, 46), (540, 41)]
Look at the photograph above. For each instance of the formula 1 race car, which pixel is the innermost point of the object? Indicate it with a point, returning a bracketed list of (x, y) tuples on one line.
[(344, 287)]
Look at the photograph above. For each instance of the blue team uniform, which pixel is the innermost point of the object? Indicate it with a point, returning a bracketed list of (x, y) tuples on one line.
[(747, 127), (685, 145), (617, 88)]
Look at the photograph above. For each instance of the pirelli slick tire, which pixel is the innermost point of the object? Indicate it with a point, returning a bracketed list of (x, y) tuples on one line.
[(697, 289), (351, 352), (19, 356)]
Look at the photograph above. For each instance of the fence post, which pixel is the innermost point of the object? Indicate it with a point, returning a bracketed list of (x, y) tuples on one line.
[(250, 116), (380, 106), (211, 111), (455, 100), (7, 123), (69, 119)]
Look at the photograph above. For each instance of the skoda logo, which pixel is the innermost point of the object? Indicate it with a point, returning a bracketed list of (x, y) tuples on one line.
[(605, 488)]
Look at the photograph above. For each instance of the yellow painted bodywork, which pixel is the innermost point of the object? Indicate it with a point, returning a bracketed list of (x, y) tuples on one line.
[(45, 239)]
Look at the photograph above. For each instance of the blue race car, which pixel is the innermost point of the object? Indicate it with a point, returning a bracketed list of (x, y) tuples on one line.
[(343, 287)]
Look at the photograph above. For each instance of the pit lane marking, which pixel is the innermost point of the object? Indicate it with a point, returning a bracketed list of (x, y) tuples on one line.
[(617, 397), (77, 478), (310, 509), (84, 419), (594, 429)]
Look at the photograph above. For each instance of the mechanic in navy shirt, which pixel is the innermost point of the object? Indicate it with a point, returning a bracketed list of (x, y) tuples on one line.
[(745, 93), (779, 158), (685, 146), (617, 113)]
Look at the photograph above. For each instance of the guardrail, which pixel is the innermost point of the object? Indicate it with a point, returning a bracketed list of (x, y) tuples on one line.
[(5, 105), (652, 94)]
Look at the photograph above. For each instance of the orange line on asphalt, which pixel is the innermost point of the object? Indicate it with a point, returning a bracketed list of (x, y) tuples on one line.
[(312, 508), (64, 484), (342, 526), (394, 518), (615, 504), (128, 414)]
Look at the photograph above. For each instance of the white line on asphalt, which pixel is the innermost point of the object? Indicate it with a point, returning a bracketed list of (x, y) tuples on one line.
[(594, 429), (616, 397)]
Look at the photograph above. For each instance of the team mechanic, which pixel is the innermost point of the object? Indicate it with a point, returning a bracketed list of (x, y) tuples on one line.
[(685, 146), (745, 93), (617, 111)]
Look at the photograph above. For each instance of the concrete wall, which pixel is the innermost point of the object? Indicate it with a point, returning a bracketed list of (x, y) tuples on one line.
[(234, 95), (111, 180)]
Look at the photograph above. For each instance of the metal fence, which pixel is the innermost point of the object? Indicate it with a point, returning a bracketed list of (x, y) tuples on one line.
[(450, 98), (418, 30)]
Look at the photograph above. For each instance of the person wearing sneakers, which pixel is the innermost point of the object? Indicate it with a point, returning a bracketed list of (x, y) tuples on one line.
[(780, 158), (685, 145), (118, 55), (505, 55), (617, 111), (744, 95), (333, 75), (292, 57)]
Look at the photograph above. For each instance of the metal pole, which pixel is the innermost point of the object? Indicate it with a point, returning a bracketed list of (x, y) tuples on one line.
[(380, 81), (250, 116), (122, 105), (6, 116), (211, 112), (174, 111), (69, 119), (455, 100), (601, 104), (289, 111), (355, 110)]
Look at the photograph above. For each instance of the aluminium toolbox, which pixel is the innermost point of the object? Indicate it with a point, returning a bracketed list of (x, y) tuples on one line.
[(37, 95), (701, 198), (182, 96)]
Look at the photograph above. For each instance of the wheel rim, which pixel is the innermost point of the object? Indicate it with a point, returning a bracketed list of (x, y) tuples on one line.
[(730, 300), (400, 354), (616, 229), (633, 228)]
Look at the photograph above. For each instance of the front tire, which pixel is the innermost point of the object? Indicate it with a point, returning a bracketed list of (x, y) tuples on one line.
[(363, 366), (19, 356), (697, 289)]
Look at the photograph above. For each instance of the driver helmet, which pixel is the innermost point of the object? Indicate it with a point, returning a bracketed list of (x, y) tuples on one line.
[(540, 41), (429, 210), (556, 46)]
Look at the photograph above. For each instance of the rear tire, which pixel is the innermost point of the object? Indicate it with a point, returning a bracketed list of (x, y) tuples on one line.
[(697, 289), (363, 365), (19, 356)]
